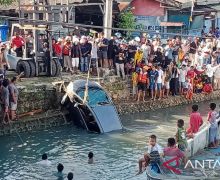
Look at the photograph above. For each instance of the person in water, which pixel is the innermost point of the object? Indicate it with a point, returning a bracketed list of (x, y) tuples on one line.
[(45, 160), (70, 176), (152, 146), (59, 173), (90, 158), (181, 136)]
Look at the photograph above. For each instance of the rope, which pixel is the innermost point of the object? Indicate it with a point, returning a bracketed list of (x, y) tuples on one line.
[(62, 85), (74, 25), (97, 67), (87, 84)]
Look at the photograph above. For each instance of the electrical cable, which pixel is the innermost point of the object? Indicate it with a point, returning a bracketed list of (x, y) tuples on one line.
[(74, 25)]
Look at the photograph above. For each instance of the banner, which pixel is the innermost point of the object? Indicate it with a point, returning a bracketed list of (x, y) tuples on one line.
[(149, 22)]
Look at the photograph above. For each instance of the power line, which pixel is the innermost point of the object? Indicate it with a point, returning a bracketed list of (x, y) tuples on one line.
[(74, 25)]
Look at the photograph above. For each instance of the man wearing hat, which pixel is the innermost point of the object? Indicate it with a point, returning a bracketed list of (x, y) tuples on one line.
[(58, 50), (75, 54), (66, 54)]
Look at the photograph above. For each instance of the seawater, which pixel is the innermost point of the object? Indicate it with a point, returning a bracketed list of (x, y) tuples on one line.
[(116, 154)]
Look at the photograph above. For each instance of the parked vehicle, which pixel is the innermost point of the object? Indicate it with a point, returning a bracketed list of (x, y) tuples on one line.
[(33, 61)]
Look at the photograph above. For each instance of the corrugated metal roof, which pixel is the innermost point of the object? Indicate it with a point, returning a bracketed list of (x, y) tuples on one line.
[(14, 5)]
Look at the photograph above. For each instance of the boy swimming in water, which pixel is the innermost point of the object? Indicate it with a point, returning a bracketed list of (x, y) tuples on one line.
[(59, 173), (90, 156), (152, 146)]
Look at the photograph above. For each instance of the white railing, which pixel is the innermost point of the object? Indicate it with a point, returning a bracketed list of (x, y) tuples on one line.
[(200, 140)]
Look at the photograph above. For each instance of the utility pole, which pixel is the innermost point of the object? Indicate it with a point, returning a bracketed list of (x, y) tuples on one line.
[(108, 18), (19, 9), (67, 14)]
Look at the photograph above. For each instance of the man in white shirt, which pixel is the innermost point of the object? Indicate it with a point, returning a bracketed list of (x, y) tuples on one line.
[(45, 161), (159, 81), (210, 72), (182, 78), (152, 147)]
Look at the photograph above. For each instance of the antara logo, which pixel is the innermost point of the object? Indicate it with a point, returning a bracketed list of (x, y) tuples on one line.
[(196, 164), (204, 164)]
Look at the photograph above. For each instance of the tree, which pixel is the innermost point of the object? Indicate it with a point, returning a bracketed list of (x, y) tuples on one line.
[(127, 21), (6, 2)]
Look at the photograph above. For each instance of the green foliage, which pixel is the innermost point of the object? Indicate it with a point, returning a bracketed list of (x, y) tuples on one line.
[(127, 21), (6, 2)]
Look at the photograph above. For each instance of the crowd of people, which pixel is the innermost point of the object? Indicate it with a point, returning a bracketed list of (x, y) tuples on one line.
[(175, 67), (177, 147)]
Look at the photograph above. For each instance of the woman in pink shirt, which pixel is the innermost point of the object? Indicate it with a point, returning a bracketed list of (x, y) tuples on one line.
[(195, 121)]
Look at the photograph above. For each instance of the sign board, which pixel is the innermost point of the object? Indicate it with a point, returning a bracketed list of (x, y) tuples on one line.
[(148, 22)]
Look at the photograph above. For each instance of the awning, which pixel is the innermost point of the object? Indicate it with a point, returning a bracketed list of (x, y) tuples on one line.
[(174, 24)]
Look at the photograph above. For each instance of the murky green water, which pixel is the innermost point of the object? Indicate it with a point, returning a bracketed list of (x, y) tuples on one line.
[(116, 154)]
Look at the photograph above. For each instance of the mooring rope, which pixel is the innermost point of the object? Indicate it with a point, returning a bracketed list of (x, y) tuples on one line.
[(87, 84)]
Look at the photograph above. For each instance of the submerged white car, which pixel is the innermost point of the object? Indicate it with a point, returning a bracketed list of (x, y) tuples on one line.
[(97, 114)]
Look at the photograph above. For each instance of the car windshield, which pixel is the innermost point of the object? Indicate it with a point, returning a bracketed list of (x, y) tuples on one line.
[(96, 96)]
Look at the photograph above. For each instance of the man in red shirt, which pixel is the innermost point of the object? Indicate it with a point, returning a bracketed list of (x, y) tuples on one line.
[(58, 51), (66, 54), (195, 121), (16, 43)]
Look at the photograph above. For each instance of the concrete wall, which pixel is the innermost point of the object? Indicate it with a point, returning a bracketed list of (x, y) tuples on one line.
[(148, 15), (37, 97), (44, 121), (48, 98), (147, 8)]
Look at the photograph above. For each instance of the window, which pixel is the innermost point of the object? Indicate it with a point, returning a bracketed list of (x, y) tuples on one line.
[(96, 96)]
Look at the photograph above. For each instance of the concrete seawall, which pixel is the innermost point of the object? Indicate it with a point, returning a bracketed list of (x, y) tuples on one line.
[(134, 107), (45, 98), (37, 122)]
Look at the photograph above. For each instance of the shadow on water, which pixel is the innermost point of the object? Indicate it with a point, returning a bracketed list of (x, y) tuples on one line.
[(115, 153)]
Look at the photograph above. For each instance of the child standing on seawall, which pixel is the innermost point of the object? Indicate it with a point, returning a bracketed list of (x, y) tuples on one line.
[(213, 131), (181, 136)]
